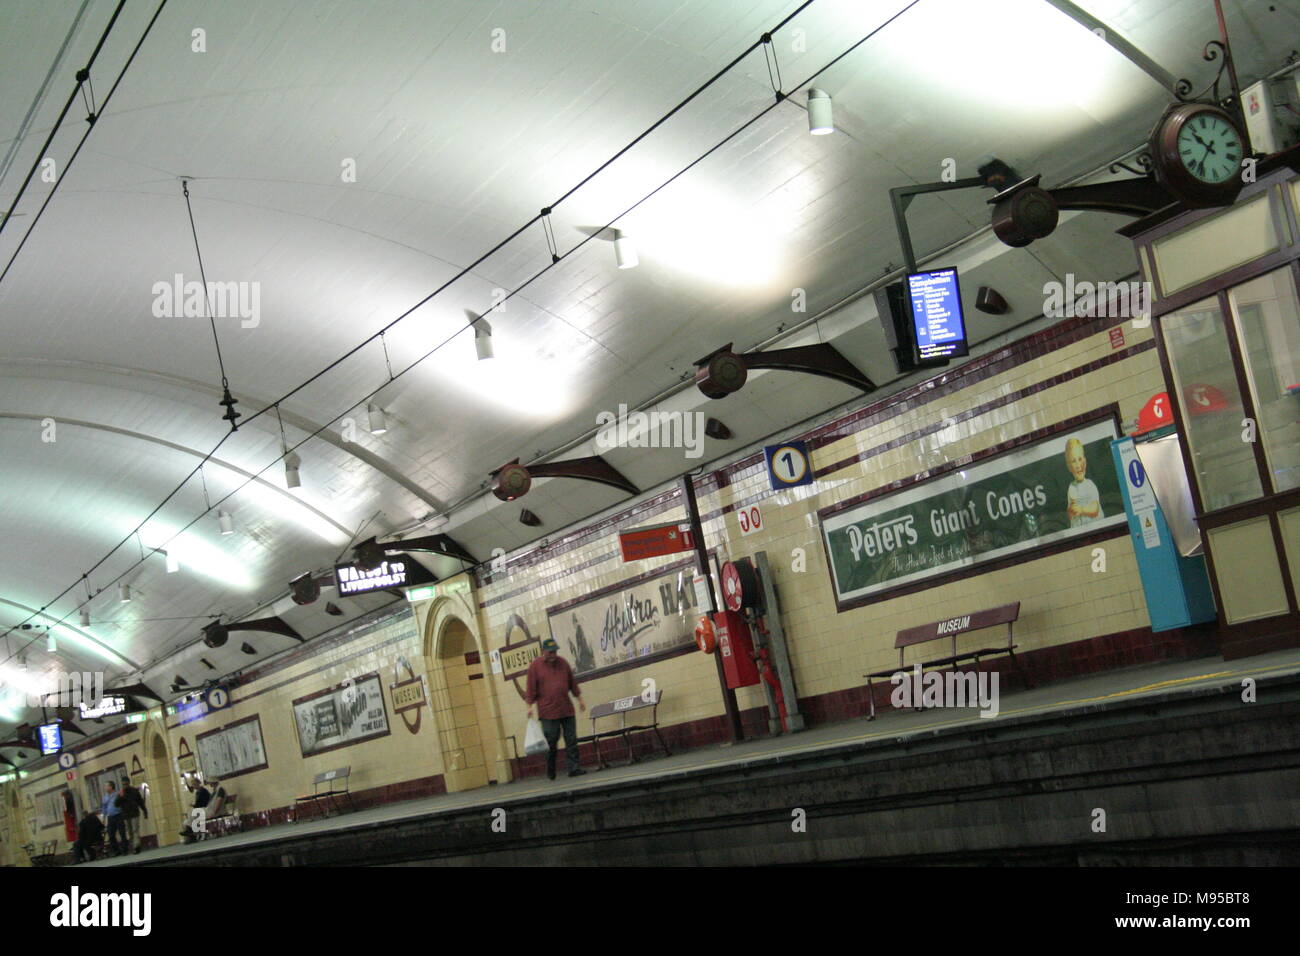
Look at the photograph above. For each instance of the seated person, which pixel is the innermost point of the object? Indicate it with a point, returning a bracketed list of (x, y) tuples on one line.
[(202, 797), (90, 834)]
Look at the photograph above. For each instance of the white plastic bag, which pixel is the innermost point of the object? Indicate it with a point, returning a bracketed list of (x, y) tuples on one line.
[(534, 739)]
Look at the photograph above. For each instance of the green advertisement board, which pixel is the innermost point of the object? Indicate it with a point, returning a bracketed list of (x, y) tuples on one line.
[(1059, 487)]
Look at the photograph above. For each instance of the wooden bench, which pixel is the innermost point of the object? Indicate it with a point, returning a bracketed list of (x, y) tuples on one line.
[(951, 627), (337, 785), (621, 708)]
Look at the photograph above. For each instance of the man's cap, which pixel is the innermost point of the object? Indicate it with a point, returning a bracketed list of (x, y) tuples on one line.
[(550, 644)]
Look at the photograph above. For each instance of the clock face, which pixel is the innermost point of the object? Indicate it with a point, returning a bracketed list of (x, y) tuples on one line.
[(1209, 148)]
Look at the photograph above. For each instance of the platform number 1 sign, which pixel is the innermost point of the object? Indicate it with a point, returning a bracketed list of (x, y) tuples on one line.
[(788, 465)]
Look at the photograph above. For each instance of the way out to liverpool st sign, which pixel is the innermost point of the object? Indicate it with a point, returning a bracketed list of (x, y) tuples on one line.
[(1048, 491)]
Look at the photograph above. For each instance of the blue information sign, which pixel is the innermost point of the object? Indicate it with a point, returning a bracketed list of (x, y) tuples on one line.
[(51, 738), (937, 322), (788, 465)]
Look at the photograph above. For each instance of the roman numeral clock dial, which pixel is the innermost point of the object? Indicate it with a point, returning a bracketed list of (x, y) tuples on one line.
[(1197, 152)]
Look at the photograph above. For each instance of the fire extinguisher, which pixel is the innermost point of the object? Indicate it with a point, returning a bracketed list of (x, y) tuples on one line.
[(705, 638)]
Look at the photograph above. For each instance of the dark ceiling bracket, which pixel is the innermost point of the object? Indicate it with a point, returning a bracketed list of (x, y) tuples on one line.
[(214, 634), (722, 371), (824, 360), (370, 553), (994, 174), (512, 480)]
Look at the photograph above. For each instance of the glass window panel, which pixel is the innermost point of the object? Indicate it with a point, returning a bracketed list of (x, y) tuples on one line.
[(1268, 327), (1209, 404)]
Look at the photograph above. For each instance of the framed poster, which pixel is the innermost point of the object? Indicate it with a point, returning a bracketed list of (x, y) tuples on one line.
[(1050, 489), (645, 618), (232, 750), (350, 713)]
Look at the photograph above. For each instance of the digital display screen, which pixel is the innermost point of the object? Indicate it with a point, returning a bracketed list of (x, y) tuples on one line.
[(937, 322), (50, 737)]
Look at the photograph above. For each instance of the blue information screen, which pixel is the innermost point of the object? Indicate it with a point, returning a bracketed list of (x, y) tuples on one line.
[(51, 738), (937, 321)]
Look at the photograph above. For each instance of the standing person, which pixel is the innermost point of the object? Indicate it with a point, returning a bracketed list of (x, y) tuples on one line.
[(550, 681), (113, 814), (132, 802), (89, 832)]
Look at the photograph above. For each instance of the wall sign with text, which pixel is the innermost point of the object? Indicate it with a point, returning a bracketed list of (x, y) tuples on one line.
[(645, 618), (350, 713), (399, 571), (1058, 487)]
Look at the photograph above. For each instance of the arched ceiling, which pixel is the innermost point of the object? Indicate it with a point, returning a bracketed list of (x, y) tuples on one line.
[(456, 143)]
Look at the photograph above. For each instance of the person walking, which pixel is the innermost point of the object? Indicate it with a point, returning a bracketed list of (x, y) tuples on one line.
[(550, 681), (132, 803), (113, 814)]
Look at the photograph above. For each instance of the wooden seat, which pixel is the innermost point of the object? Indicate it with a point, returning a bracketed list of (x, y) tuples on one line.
[(336, 783), (1006, 614), (621, 708)]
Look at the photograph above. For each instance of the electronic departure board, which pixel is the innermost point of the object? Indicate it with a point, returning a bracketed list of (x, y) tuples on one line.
[(938, 326), (50, 737)]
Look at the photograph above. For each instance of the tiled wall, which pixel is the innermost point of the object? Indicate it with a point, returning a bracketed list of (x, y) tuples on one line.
[(1072, 619)]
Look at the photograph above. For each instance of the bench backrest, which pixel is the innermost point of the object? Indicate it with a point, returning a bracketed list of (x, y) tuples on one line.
[(325, 776), (952, 626), (625, 704)]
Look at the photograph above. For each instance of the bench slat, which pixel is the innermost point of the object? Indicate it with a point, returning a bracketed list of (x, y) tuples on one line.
[(990, 617)]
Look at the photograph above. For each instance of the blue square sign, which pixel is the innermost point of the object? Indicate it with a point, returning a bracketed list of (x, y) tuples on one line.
[(788, 465)]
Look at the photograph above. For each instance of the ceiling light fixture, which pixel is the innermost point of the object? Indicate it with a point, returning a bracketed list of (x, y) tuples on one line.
[(624, 251), (85, 618), (225, 522), (124, 593), (375, 415), (173, 562), (291, 477), (819, 113), (51, 645), (483, 339)]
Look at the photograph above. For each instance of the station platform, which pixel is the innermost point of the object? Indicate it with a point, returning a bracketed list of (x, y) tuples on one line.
[(1161, 764)]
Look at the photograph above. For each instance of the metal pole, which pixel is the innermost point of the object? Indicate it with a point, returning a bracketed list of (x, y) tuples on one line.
[(702, 565)]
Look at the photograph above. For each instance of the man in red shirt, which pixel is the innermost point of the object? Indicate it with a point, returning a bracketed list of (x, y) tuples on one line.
[(550, 681)]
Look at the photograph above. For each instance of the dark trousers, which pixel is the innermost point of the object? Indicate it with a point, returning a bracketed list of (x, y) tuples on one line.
[(551, 730), (117, 834), (82, 851)]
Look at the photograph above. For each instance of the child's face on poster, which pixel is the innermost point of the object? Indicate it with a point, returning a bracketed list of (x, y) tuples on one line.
[(1076, 462)]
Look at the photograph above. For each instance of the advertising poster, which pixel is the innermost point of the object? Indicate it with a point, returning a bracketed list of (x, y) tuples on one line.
[(347, 714), (232, 750), (1059, 487), (628, 623)]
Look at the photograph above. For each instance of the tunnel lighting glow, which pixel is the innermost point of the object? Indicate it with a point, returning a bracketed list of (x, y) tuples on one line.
[(195, 554), (295, 509), (532, 386), (694, 230)]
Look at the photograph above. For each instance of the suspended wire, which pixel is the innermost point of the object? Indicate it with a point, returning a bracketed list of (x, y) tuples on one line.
[(769, 57), (203, 276), (463, 272), (82, 75), (86, 135)]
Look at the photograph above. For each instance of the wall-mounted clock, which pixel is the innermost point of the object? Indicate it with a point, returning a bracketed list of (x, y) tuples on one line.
[(1196, 153)]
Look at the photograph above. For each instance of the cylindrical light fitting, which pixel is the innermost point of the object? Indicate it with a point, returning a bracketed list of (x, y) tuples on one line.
[(819, 113), (483, 340), (51, 645), (291, 477), (225, 522), (624, 251), (124, 593), (375, 416), (173, 562), (85, 618)]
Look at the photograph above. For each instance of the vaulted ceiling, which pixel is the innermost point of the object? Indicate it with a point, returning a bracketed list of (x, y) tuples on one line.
[(345, 160)]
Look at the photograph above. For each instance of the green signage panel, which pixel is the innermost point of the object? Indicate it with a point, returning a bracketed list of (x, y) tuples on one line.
[(1059, 487)]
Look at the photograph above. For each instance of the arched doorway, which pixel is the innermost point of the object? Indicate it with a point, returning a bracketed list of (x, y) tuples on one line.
[(163, 805), (463, 700)]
